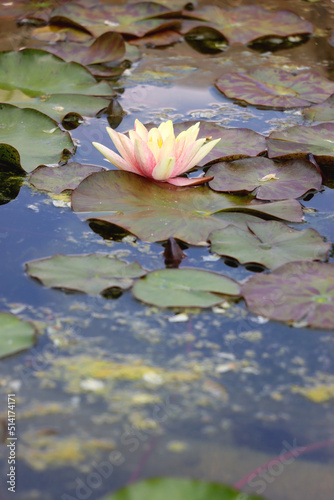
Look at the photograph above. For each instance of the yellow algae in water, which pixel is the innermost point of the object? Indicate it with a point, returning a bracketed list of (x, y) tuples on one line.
[(78, 368), (318, 394), (176, 446), (43, 452)]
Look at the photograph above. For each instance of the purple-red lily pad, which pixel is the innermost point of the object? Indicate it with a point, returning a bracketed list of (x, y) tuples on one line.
[(91, 274), (272, 87), (298, 141), (294, 292), (270, 243), (234, 142), (160, 39), (323, 112), (184, 288), (155, 212), (63, 178), (108, 47), (250, 22), (272, 180)]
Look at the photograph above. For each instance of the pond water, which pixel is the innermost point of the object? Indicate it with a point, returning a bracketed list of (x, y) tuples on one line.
[(115, 391)]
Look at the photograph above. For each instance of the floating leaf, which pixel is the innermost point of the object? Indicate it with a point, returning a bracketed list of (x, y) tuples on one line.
[(173, 254), (154, 212), (178, 489), (323, 112), (248, 23), (92, 274), (15, 335), (270, 243), (298, 291), (160, 39), (36, 73), (235, 142), (298, 141), (275, 88), (184, 288), (106, 48), (37, 137), (272, 180), (59, 179)]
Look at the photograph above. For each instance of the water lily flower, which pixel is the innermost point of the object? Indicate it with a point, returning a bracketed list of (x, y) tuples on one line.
[(157, 154)]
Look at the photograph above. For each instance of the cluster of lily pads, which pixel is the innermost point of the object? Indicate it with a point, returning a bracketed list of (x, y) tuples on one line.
[(244, 210)]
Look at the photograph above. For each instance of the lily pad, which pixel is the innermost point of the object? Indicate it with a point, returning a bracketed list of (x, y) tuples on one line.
[(235, 142), (106, 48), (59, 179), (91, 274), (298, 141), (297, 291), (36, 72), (272, 180), (184, 288), (178, 489), (248, 23), (57, 106), (270, 243), (272, 87), (155, 212), (323, 112), (15, 335), (37, 137)]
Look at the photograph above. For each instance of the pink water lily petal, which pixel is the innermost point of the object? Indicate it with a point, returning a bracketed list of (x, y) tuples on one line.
[(168, 148), (185, 181), (141, 130), (145, 158), (203, 152), (115, 159), (124, 146), (187, 156), (163, 170)]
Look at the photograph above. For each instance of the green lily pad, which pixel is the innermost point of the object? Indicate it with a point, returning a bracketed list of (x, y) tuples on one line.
[(37, 137), (270, 243), (15, 335), (235, 142), (272, 180), (91, 274), (323, 112), (36, 72), (297, 291), (298, 141), (272, 87), (178, 489), (155, 212), (248, 23), (59, 179), (57, 106), (106, 48), (184, 288)]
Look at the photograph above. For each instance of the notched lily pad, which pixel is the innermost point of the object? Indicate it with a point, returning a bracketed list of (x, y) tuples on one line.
[(178, 489), (323, 112), (272, 180), (184, 288), (36, 136), (59, 179), (250, 22), (234, 142), (106, 48), (272, 87), (270, 243), (155, 211), (294, 292), (15, 335), (91, 274), (298, 141)]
